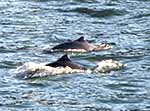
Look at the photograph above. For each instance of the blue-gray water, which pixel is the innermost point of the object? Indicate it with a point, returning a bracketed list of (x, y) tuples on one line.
[(29, 26)]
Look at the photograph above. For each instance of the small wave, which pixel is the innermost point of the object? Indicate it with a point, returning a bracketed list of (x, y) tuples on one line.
[(7, 64), (141, 15), (37, 0), (97, 13), (13, 48), (34, 70), (133, 53), (4, 49), (86, 1)]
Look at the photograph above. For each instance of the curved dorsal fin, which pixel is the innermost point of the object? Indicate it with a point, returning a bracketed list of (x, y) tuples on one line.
[(81, 39), (64, 58)]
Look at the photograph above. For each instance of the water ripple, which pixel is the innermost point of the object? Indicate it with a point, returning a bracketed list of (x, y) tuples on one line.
[(28, 26), (97, 13)]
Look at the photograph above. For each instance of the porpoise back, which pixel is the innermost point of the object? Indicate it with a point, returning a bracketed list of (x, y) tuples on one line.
[(64, 61), (80, 43)]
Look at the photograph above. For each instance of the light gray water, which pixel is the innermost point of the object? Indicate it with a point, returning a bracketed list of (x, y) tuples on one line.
[(29, 26)]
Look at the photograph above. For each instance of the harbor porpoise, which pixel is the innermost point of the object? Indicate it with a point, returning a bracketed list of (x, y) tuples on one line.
[(78, 45), (65, 61), (64, 65)]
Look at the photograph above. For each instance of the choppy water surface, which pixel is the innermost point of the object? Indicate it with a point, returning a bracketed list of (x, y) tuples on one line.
[(29, 26)]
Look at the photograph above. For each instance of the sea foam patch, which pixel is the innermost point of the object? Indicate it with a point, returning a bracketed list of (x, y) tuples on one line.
[(108, 65)]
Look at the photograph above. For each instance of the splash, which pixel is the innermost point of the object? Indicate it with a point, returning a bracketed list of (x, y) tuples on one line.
[(35, 70), (108, 65), (102, 47)]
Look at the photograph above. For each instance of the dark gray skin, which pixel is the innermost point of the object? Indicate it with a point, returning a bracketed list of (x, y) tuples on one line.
[(65, 61), (76, 44)]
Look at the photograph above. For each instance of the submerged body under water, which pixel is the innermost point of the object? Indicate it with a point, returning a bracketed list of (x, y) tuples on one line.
[(27, 27)]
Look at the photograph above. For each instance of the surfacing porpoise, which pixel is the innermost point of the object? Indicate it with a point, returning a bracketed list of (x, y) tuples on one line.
[(65, 61), (79, 45)]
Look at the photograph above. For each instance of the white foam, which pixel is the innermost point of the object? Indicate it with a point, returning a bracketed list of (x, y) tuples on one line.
[(108, 65), (32, 70), (103, 47), (68, 50)]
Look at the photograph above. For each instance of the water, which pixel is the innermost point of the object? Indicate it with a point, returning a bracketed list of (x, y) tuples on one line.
[(29, 26)]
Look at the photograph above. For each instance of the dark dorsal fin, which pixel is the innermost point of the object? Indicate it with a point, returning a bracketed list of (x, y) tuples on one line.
[(64, 58), (81, 39)]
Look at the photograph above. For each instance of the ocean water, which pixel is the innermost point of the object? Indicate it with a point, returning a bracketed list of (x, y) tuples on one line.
[(27, 27)]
